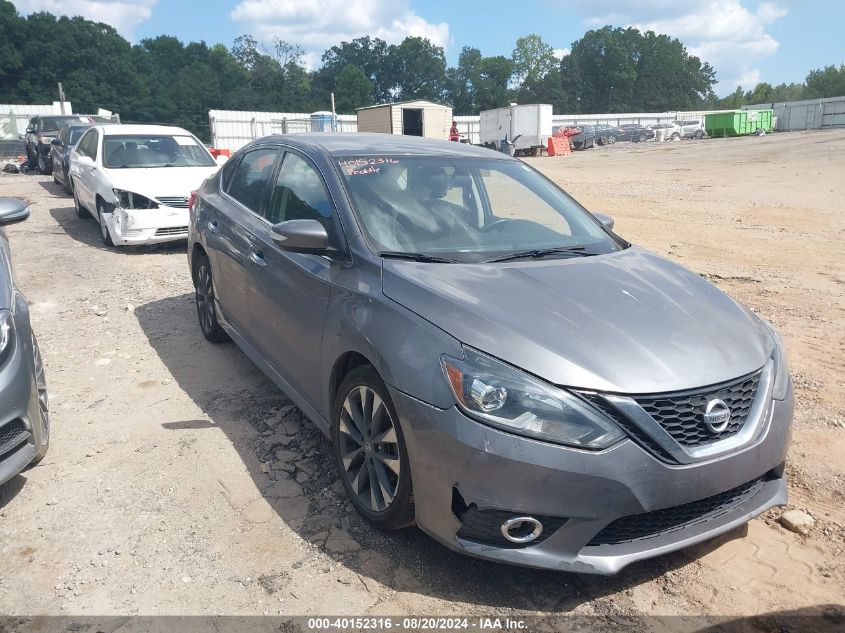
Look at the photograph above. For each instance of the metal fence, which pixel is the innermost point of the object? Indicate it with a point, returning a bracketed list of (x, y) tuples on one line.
[(232, 129), (808, 114)]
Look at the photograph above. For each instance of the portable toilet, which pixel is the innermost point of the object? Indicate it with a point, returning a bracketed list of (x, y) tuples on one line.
[(323, 121)]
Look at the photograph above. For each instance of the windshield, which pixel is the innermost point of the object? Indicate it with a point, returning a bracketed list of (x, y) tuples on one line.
[(53, 123), (154, 150), (466, 209)]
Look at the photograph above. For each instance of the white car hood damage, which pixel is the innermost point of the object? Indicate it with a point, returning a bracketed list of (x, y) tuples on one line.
[(155, 182)]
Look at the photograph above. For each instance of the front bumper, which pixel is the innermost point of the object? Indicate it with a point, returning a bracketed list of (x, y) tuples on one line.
[(148, 226), (19, 403), (450, 453)]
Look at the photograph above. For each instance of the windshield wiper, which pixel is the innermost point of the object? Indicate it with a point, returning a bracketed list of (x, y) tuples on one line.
[(537, 253), (417, 257)]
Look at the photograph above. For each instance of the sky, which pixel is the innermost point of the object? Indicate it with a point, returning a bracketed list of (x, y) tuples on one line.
[(746, 41)]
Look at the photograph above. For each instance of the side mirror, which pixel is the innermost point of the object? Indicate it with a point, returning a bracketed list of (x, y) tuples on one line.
[(30, 130), (13, 211), (301, 236), (57, 142), (85, 161), (605, 219)]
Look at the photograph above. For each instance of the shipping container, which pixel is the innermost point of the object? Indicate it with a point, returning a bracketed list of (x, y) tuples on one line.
[(412, 118)]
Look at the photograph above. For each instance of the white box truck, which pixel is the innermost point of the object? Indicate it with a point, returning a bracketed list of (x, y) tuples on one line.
[(528, 127)]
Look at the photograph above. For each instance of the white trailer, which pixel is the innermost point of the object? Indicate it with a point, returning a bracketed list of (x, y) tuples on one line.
[(528, 127)]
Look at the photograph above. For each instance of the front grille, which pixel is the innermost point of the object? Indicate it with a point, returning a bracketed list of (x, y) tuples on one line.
[(485, 526), (682, 414), (180, 202), (651, 524), (173, 230), (12, 435)]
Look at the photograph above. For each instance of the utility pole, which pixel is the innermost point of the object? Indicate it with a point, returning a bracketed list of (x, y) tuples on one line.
[(334, 116), (62, 98), (610, 99)]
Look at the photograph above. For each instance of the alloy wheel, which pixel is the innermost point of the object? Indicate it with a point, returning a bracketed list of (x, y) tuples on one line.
[(41, 389), (369, 448), (204, 292)]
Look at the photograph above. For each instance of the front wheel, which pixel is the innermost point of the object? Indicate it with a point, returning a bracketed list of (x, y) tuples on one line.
[(43, 402), (42, 163), (104, 227), (370, 451), (610, 140), (699, 135), (204, 297)]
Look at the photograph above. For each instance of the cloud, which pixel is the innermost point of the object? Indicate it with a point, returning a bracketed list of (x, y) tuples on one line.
[(319, 24), (560, 53), (726, 33), (123, 15)]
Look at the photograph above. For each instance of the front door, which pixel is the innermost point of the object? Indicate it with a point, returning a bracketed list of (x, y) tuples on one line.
[(289, 292), (412, 121)]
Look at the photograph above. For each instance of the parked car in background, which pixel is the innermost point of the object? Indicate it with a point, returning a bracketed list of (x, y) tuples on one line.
[(601, 130), (671, 131), (41, 131), (692, 129), (410, 296), (24, 406), (136, 180), (60, 151), (628, 132), (584, 139)]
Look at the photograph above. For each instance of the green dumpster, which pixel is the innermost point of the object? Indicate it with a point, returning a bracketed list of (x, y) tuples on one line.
[(737, 122)]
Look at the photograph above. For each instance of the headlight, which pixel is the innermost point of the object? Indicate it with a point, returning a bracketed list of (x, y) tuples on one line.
[(7, 331), (130, 200), (499, 395), (781, 366)]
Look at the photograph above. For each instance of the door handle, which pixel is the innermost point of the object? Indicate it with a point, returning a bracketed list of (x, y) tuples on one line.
[(257, 259), (212, 226)]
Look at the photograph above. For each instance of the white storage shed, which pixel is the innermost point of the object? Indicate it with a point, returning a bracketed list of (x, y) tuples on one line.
[(412, 118)]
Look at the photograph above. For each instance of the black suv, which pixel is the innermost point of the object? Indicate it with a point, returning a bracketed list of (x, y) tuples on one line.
[(42, 129)]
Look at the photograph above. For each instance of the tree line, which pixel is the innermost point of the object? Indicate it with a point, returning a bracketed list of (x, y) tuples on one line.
[(164, 80)]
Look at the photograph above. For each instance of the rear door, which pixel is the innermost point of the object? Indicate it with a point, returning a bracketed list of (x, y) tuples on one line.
[(289, 292), (85, 176), (228, 225)]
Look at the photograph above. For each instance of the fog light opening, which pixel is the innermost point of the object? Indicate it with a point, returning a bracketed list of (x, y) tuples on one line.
[(522, 529)]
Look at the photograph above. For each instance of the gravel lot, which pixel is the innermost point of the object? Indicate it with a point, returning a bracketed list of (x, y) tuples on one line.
[(181, 481)]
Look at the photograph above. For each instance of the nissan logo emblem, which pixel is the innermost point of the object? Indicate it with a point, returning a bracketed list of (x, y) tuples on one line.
[(717, 416)]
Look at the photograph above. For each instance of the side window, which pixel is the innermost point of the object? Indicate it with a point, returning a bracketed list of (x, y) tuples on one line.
[(250, 176), (227, 171), (83, 144), (299, 194), (93, 143)]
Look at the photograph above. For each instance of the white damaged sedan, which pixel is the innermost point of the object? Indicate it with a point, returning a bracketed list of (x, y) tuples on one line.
[(136, 180)]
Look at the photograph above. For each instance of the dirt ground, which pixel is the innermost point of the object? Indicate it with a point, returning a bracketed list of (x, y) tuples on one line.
[(179, 480)]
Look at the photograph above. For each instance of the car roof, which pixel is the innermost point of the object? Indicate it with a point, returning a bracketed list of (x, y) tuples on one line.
[(113, 129), (368, 144)]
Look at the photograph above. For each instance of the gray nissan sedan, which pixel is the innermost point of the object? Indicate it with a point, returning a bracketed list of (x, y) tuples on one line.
[(491, 361)]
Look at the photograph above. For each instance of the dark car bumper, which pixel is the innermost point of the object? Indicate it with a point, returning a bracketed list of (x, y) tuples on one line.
[(20, 428), (458, 463)]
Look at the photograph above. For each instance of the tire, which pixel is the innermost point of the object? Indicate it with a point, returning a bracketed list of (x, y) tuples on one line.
[(104, 228), (699, 135), (610, 140), (204, 298), (43, 402), (602, 140), (676, 136), (42, 162), (372, 448), (81, 212)]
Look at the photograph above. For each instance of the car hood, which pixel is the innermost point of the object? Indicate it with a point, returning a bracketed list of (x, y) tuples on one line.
[(627, 322), (160, 181)]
